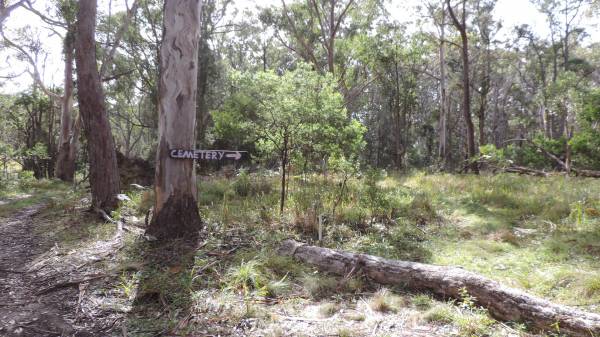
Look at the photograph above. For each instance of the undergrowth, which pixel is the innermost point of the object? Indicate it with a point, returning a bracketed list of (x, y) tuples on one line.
[(537, 234)]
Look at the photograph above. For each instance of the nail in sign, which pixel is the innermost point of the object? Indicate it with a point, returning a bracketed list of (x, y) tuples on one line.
[(206, 154)]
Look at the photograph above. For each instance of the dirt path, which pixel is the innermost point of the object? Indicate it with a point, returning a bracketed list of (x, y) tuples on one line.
[(23, 311)]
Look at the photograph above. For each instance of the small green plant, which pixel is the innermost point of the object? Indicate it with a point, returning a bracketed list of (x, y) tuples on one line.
[(422, 301), (442, 313), (127, 284), (578, 212), (467, 301), (247, 277)]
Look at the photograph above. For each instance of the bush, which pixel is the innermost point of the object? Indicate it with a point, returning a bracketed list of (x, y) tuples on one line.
[(26, 179)]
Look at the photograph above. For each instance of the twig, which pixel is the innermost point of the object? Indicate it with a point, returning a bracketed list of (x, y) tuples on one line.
[(305, 319), (70, 284), (11, 271), (40, 330), (15, 304), (82, 288), (225, 253)]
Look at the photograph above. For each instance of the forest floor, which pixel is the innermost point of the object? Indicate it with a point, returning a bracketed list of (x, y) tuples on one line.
[(64, 272)]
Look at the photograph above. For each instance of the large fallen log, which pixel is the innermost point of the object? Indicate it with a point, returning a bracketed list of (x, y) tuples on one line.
[(502, 302), (586, 173)]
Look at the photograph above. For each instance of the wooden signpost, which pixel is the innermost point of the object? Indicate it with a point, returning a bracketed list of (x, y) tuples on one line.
[(206, 154)]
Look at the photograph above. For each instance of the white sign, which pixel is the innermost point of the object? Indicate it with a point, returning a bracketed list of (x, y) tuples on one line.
[(206, 154)]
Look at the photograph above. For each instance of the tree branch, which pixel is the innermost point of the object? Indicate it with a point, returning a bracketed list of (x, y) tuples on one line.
[(108, 57), (36, 73)]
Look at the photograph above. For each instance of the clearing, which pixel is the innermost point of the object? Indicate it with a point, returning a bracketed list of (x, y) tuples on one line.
[(66, 273)]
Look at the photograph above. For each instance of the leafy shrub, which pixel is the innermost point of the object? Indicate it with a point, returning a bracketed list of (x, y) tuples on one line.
[(372, 195), (26, 179)]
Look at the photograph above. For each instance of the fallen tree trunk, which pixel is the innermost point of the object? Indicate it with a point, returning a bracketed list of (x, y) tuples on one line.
[(525, 170), (568, 169), (501, 302), (586, 173)]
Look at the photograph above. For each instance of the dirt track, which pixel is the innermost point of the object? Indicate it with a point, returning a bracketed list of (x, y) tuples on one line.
[(23, 310)]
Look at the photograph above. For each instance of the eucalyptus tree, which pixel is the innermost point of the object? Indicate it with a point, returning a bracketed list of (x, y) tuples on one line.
[(176, 209), (321, 33), (212, 23), (563, 18), (484, 60), (460, 23), (104, 175)]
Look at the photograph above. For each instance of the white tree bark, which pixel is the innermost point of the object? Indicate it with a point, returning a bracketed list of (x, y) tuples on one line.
[(176, 210)]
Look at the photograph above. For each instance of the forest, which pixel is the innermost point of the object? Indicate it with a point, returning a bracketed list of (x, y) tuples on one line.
[(300, 168)]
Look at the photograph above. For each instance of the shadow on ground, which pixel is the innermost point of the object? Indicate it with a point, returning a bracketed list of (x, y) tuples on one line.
[(162, 299)]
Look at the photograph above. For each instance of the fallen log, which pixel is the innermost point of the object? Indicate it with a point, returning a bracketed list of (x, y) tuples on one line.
[(563, 164), (502, 302), (586, 173), (525, 170)]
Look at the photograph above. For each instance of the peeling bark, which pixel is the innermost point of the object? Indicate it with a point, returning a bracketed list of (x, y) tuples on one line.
[(176, 210), (502, 302)]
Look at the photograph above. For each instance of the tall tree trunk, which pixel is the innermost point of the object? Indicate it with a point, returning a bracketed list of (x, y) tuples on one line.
[(462, 28), (204, 60), (104, 176), (176, 209), (65, 160), (443, 122)]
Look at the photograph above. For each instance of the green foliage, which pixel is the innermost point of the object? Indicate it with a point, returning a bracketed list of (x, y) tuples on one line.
[(586, 142), (26, 179), (471, 322), (299, 111), (248, 277), (422, 301), (212, 192)]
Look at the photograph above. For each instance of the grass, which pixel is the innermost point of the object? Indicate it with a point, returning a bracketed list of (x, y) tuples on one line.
[(537, 234), (470, 321), (462, 220), (385, 301), (328, 309)]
